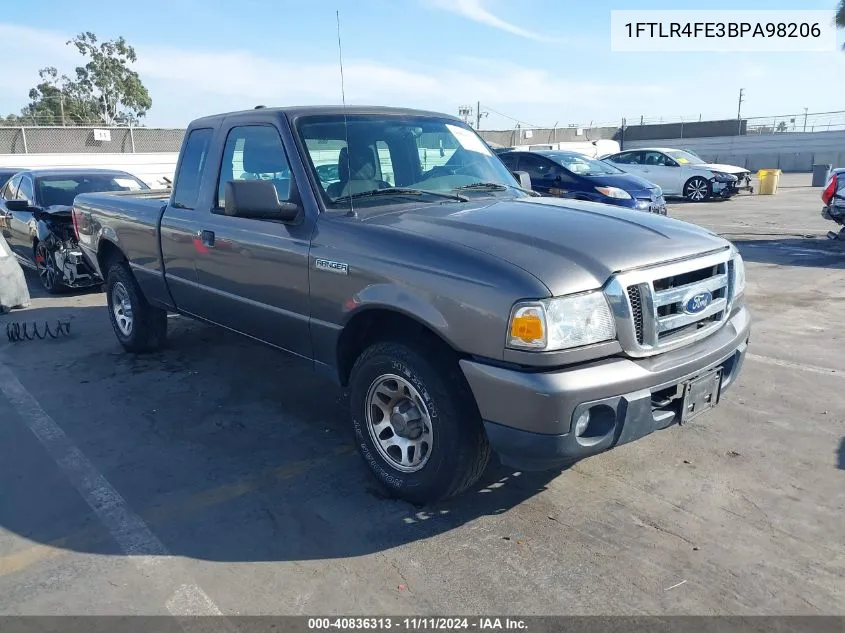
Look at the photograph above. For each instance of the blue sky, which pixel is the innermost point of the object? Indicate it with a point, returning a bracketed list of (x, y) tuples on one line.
[(539, 61)]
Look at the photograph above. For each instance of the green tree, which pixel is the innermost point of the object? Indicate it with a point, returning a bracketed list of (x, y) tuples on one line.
[(108, 81), (105, 91), (781, 126), (840, 15)]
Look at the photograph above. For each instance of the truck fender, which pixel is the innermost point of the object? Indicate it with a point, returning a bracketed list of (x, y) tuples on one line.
[(398, 299)]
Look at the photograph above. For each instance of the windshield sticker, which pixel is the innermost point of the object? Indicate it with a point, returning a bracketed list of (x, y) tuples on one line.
[(468, 140), (683, 161), (128, 183)]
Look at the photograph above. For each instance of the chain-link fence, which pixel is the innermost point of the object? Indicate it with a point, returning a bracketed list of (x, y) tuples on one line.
[(803, 122), (88, 140)]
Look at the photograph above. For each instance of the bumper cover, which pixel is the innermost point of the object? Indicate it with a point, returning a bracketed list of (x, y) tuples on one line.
[(529, 417)]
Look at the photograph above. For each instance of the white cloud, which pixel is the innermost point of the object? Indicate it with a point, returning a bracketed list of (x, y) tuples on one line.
[(185, 84), (477, 12)]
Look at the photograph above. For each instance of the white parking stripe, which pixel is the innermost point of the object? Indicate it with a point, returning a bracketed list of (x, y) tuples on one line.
[(801, 366), (130, 532)]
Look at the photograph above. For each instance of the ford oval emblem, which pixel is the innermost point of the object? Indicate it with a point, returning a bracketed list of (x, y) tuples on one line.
[(698, 302)]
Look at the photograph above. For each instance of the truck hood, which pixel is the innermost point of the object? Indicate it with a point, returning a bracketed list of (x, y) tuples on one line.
[(569, 245)]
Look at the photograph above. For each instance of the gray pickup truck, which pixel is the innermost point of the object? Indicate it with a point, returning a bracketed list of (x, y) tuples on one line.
[(393, 251)]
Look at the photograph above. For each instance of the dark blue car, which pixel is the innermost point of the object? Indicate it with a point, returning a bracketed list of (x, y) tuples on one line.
[(571, 175)]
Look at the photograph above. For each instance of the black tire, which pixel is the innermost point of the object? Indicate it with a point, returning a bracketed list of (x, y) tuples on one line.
[(45, 265), (148, 328), (459, 453), (698, 189)]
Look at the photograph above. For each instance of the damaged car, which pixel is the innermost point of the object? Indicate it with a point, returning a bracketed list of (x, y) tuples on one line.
[(682, 174), (38, 225)]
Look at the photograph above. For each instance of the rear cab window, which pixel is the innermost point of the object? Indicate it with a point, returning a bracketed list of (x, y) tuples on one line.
[(187, 185)]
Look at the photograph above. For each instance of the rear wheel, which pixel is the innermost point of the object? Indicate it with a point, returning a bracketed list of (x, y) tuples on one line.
[(697, 189), (45, 264), (139, 326), (416, 424)]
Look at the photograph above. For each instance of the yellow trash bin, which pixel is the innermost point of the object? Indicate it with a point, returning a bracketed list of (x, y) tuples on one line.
[(769, 179)]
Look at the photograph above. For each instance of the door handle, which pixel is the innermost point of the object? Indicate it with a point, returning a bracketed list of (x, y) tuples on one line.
[(207, 238)]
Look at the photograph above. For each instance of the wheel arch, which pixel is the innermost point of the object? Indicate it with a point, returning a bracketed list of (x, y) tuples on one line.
[(108, 253), (382, 322)]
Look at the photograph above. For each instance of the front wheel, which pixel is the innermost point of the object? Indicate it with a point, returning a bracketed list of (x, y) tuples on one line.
[(45, 265), (138, 326), (697, 189), (416, 424)]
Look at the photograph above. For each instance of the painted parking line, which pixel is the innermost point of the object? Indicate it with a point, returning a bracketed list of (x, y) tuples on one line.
[(176, 509), (815, 369), (144, 549)]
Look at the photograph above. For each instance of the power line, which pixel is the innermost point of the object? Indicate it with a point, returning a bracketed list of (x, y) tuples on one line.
[(515, 120)]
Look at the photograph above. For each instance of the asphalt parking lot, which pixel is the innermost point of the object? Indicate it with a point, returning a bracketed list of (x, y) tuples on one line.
[(229, 474)]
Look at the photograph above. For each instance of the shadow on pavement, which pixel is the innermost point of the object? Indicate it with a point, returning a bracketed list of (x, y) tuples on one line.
[(792, 251), (227, 450), (842, 454)]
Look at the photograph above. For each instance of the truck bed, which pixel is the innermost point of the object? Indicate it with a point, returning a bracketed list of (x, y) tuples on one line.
[(143, 207)]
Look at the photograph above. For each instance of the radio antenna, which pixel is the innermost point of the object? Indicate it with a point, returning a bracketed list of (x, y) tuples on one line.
[(351, 212)]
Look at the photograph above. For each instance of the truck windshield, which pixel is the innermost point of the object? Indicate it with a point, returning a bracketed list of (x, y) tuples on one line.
[(402, 153)]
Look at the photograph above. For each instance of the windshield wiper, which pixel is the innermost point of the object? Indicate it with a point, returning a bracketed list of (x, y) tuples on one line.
[(400, 192), (493, 186)]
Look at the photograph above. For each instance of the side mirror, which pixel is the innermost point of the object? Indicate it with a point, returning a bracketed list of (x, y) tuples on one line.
[(257, 199), (18, 205), (523, 178)]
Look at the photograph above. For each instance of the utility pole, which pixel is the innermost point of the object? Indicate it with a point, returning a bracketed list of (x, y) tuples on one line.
[(62, 108), (478, 115), (805, 119), (739, 112)]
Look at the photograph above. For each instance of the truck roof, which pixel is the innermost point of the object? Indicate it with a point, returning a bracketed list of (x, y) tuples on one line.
[(296, 111)]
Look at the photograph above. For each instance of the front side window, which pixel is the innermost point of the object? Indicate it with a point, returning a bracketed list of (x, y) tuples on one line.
[(390, 157), (26, 191), (657, 159), (538, 168), (254, 152), (11, 188)]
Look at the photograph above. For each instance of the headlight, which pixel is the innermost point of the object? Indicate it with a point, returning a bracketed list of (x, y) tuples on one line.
[(738, 274), (561, 322), (723, 177), (614, 192)]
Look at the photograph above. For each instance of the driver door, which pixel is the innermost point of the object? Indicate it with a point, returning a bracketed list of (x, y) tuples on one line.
[(543, 174), (658, 168), (20, 223)]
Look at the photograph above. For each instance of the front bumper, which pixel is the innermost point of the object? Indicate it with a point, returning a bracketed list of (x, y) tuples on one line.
[(529, 417), (834, 213)]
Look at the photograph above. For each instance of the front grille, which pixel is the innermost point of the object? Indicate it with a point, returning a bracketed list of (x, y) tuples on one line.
[(636, 311), (668, 306)]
